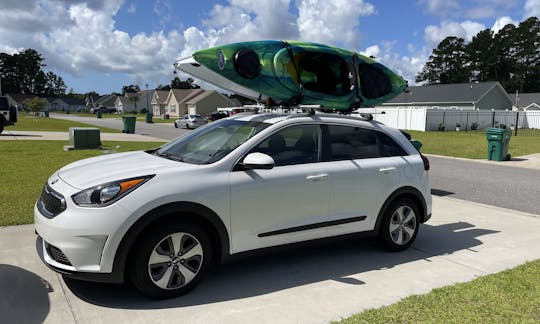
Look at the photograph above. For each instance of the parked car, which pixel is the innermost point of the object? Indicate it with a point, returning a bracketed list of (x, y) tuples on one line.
[(190, 121), (161, 218), (104, 110), (216, 115)]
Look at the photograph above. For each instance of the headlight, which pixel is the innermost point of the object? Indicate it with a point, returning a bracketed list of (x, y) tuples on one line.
[(108, 193)]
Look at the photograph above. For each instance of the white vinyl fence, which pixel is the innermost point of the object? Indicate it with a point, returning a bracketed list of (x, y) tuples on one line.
[(423, 119)]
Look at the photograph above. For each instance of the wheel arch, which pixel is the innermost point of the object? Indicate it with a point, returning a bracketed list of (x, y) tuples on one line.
[(187, 210), (404, 192)]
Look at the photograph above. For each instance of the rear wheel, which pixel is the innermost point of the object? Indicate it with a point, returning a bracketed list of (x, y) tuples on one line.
[(1, 128), (169, 260), (399, 225), (175, 125)]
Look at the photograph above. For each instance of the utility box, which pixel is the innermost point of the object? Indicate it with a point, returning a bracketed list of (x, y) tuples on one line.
[(82, 138)]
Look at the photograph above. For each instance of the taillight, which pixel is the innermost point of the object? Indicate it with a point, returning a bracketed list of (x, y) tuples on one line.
[(426, 162)]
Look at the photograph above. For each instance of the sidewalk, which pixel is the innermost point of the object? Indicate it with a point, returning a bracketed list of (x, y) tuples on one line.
[(64, 136), (317, 284), (531, 161)]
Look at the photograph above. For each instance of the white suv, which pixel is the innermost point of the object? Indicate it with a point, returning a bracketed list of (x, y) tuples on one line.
[(161, 218)]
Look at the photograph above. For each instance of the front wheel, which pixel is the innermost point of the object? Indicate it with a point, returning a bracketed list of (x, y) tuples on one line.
[(399, 225), (175, 125), (169, 260)]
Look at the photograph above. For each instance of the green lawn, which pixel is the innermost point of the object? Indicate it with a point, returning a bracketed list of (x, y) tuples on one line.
[(140, 117), (26, 165), (28, 122), (471, 145), (511, 296)]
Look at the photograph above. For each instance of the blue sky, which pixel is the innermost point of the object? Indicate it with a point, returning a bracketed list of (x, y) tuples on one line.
[(102, 45)]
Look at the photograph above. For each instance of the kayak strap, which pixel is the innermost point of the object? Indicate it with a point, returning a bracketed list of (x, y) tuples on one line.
[(358, 99), (297, 99)]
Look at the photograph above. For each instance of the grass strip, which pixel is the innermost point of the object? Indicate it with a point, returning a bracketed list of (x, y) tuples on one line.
[(511, 296), (471, 145), (29, 122)]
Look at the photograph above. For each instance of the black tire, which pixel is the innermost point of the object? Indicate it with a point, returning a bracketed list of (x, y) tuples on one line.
[(399, 228), (1, 127), (147, 276), (175, 125)]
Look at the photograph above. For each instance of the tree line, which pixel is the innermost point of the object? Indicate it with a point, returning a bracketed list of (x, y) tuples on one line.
[(510, 56), (23, 73)]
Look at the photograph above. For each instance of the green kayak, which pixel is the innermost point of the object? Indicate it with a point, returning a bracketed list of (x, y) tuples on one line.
[(292, 73)]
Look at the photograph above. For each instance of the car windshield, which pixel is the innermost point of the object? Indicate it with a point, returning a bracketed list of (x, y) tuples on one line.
[(211, 143)]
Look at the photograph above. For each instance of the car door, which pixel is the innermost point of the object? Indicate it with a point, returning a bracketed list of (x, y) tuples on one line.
[(287, 203), (366, 171)]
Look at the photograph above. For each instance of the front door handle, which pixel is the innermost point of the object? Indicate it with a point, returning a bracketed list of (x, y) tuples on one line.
[(387, 170), (317, 177)]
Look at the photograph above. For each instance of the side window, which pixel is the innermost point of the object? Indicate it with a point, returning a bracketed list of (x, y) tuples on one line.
[(350, 143), (293, 145)]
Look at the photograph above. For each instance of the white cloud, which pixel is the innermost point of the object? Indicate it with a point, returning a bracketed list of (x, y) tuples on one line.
[(501, 22), (408, 66), (132, 8), (532, 8), (433, 35), (332, 22), (441, 8)]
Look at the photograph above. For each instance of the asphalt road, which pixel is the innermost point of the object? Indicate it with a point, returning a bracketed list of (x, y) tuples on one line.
[(508, 187), (159, 130)]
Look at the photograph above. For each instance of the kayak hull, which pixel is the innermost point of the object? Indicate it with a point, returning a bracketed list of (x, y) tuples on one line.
[(291, 73)]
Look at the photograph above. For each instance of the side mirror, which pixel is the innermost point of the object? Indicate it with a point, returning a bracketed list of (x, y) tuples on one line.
[(254, 161)]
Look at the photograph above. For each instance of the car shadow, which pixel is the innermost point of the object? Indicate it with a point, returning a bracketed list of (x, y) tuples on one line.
[(274, 271), (19, 135), (24, 296)]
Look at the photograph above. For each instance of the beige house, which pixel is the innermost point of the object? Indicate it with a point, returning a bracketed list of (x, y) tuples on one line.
[(207, 102), (159, 103), (134, 102), (175, 104)]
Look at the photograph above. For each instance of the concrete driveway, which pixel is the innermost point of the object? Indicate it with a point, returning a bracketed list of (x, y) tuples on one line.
[(314, 284)]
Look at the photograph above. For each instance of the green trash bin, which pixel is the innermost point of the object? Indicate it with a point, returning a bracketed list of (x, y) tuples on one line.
[(149, 117), (498, 142), (46, 113), (129, 124), (99, 113)]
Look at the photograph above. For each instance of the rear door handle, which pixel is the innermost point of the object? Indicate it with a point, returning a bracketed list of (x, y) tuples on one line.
[(387, 170), (317, 177)]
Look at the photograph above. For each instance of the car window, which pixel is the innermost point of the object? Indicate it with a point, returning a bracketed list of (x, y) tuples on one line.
[(350, 143), (293, 145), (210, 144)]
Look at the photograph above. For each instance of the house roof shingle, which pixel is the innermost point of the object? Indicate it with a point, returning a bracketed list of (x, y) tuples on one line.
[(444, 93), (205, 94), (526, 99)]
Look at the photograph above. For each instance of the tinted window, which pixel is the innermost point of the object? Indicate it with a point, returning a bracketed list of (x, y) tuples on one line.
[(293, 145), (350, 143)]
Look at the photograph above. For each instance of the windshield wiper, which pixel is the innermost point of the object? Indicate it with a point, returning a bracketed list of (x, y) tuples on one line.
[(170, 156)]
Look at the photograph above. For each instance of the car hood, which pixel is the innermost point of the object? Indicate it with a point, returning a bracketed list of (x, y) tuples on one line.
[(98, 170)]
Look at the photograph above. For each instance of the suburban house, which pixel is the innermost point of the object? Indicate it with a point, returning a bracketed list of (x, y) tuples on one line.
[(176, 101), (527, 101), (460, 106), (17, 100), (134, 102), (158, 103), (107, 101), (207, 102), (67, 104), (459, 96)]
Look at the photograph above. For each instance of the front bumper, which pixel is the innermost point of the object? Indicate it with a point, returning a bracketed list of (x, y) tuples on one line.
[(112, 277)]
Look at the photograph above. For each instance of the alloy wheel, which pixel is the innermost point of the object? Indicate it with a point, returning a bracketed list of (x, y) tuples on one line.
[(402, 225)]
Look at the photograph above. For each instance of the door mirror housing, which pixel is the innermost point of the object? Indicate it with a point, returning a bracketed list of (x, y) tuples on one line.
[(257, 160)]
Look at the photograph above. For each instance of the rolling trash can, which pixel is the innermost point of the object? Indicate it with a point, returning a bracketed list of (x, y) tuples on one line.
[(498, 141), (129, 124), (99, 114)]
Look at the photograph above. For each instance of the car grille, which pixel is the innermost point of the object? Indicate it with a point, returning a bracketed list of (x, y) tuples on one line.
[(50, 203), (56, 254)]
